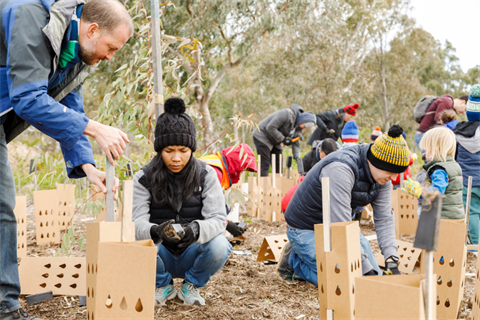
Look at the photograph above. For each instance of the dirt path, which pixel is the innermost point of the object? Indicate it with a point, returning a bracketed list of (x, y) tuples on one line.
[(242, 289)]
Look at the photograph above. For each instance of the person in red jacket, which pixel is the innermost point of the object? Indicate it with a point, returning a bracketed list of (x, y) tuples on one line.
[(229, 165)]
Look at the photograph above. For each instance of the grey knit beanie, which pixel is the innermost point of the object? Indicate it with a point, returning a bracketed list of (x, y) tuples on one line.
[(175, 127)]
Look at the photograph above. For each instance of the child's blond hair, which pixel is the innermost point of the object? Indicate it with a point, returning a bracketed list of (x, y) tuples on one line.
[(439, 143)]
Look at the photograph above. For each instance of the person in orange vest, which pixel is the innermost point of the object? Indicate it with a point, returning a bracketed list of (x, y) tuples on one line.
[(229, 165)]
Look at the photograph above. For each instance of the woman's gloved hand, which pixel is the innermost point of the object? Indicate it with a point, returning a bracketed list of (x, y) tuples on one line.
[(191, 235), (412, 187), (234, 229), (158, 232)]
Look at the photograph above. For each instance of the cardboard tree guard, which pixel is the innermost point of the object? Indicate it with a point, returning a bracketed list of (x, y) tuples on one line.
[(61, 275), (338, 268), (408, 257), (449, 266), (404, 207), (66, 204), (120, 275), (390, 297), (272, 247), (476, 294), (47, 228), (273, 200), (21, 216)]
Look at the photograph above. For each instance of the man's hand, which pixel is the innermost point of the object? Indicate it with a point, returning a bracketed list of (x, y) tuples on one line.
[(99, 178), (111, 140)]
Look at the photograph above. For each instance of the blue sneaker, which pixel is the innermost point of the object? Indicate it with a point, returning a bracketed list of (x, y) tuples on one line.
[(162, 294), (190, 294)]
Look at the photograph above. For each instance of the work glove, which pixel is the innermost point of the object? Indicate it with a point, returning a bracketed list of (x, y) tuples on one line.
[(287, 141), (391, 267), (234, 229), (191, 235), (412, 187), (158, 232), (331, 131)]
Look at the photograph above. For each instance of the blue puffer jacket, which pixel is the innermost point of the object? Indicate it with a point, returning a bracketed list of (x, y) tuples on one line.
[(31, 36), (305, 208)]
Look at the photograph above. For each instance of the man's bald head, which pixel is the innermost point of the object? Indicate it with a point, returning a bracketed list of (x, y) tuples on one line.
[(107, 14)]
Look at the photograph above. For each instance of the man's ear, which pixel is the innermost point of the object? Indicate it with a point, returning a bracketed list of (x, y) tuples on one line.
[(92, 29)]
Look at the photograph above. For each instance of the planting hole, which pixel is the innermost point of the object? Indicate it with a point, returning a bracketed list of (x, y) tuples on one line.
[(441, 261), (451, 263), (337, 269), (60, 275), (123, 304), (338, 291), (139, 306), (449, 283), (439, 280), (108, 303), (447, 303)]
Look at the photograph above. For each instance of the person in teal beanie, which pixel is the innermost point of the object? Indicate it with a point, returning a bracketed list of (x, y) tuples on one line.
[(467, 134)]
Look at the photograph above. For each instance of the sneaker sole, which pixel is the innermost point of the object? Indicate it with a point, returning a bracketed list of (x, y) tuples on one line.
[(171, 296), (182, 297)]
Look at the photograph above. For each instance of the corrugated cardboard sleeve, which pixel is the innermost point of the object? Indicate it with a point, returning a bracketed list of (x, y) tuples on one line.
[(47, 228), (404, 207), (272, 247), (21, 216), (338, 268)]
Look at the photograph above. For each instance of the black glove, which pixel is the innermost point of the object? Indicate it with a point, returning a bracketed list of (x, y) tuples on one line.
[(391, 267), (158, 232), (191, 235), (287, 141), (234, 229), (371, 273)]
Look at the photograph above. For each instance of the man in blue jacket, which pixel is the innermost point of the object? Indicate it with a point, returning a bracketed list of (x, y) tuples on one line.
[(47, 49)]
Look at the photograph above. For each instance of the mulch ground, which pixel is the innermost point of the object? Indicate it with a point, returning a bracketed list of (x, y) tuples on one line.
[(242, 289)]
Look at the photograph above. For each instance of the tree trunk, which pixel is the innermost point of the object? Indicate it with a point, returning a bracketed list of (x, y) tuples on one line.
[(207, 123)]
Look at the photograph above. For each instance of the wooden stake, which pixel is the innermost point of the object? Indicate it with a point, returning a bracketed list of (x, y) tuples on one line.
[(469, 198), (274, 174), (259, 173), (157, 58), (402, 176), (429, 284), (128, 233), (109, 201), (326, 213)]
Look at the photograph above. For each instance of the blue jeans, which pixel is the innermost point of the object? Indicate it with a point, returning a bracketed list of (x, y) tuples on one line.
[(303, 259), (9, 280), (418, 137), (195, 265)]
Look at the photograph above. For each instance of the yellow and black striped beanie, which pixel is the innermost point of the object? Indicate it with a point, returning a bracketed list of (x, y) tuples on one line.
[(390, 152)]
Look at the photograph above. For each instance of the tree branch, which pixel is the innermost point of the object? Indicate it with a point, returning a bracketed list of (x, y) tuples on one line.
[(185, 65), (219, 77), (228, 42)]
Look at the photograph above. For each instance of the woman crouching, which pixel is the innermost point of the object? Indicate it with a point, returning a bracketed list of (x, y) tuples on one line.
[(176, 188)]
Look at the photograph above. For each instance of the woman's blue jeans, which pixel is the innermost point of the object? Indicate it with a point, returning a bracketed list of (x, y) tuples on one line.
[(196, 265), (303, 258), (9, 279)]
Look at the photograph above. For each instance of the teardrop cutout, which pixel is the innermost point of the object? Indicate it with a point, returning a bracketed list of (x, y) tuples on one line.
[(447, 303), (441, 261), (321, 288), (63, 266), (43, 285), (439, 280), (451, 263), (338, 291), (123, 304), (449, 283), (139, 306), (45, 275), (109, 303), (76, 275), (353, 288), (321, 267), (337, 269)]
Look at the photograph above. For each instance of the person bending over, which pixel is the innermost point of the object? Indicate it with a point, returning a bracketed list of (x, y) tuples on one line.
[(359, 175), (177, 188)]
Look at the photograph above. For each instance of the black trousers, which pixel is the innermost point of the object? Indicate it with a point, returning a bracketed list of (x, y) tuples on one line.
[(266, 158)]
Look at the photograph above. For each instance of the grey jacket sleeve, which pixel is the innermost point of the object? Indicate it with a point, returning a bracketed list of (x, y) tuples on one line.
[(385, 222), (213, 211), (342, 180), (141, 209), (281, 117)]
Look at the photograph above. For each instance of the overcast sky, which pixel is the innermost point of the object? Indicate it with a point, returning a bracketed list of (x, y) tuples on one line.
[(457, 21)]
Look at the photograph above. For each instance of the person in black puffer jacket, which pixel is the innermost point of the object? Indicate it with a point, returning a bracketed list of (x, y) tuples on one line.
[(177, 188), (320, 149), (330, 123)]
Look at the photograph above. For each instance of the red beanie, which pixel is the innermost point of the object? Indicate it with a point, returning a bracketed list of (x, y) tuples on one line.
[(351, 109)]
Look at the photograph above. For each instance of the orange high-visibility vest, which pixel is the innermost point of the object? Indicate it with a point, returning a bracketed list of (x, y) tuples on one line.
[(216, 160)]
